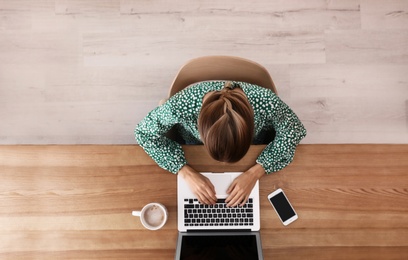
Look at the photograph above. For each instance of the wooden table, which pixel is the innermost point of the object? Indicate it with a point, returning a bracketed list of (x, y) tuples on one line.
[(75, 202)]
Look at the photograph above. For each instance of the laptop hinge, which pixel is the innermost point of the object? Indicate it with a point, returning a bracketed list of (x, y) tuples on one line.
[(218, 230)]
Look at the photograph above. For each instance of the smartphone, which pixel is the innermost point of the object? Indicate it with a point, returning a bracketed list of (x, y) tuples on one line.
[(282, 207)]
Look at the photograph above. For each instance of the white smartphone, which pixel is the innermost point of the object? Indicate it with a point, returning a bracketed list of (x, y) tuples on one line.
[(282, 207)]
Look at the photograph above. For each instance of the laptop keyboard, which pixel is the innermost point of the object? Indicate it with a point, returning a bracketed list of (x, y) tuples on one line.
[(197, 214)]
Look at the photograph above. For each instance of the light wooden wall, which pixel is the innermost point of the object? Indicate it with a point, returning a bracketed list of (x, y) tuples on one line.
[(87, 71)]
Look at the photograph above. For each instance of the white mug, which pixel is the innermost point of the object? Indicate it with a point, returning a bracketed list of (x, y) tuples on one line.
[(153, 216)]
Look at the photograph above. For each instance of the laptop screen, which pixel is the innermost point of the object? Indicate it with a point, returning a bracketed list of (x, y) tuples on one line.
[(231, 246)]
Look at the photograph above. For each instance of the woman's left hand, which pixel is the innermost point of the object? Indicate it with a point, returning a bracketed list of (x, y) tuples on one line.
[(241, 187)]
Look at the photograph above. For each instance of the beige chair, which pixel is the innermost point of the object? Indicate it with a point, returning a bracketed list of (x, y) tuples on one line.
[(221, 68)]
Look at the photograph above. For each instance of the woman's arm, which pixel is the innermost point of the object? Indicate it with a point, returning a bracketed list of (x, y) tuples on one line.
[(151, 132), (289, 132), (168, 154)]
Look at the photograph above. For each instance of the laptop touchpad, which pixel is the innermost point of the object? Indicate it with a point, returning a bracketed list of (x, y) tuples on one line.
[(221, 184)]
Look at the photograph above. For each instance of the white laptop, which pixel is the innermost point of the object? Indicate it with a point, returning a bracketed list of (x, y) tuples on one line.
[(232, 233)]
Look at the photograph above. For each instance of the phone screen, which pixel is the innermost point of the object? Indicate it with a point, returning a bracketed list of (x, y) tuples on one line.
[(282, 206)]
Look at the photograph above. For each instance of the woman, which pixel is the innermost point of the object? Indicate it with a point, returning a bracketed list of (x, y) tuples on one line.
[(226, 117)]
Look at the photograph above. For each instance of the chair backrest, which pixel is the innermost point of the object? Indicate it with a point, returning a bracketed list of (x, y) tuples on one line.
[(221, 68)]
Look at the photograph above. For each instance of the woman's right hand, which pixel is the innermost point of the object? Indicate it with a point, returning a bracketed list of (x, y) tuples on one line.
[(200, 185)]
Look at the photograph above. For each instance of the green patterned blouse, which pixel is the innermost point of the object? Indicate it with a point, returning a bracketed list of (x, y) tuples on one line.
[(182, 110)]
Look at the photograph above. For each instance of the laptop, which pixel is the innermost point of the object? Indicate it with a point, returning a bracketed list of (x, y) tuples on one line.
[(216, 231)]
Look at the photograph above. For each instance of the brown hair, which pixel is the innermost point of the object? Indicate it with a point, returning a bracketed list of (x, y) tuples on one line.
[(226, 123)]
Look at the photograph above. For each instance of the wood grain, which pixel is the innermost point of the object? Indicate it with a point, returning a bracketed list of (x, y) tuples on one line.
[(87, 71), (74, 202)]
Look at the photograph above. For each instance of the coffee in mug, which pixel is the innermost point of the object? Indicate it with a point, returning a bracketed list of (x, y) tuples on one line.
[(153, 216)]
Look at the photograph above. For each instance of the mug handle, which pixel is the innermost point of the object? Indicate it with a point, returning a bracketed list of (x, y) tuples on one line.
[(136, 213)]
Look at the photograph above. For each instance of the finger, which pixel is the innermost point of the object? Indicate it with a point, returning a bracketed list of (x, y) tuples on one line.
[(235, 200), (211, 194), (205, 192), (233, 203), (244, 201), (207, 198), (230, 197), (233, 195), (212, 187), (231, 187), (202, 199), (204, 196), (210, 200)]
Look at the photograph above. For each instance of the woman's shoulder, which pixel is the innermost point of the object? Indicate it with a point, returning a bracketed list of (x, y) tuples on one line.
[(189, 99), (195, 92), (255, 90), (258, 96), (200, 88)]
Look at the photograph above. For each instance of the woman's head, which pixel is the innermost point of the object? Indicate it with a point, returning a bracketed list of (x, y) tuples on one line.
[(226, 123)]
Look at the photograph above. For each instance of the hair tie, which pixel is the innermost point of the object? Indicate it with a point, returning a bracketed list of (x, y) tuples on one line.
[(230, 85)]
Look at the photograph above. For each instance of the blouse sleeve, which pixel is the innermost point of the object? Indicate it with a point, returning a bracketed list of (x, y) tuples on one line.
[(151, 132), (289, 132)]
